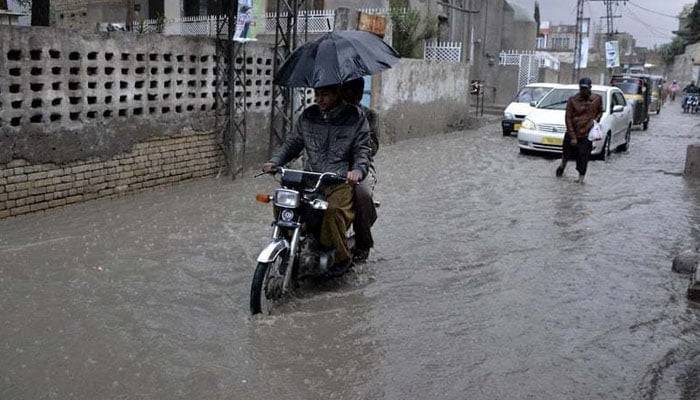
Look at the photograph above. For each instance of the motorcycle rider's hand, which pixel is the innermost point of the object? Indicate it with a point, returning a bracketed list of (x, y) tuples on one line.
[(354, 177), (268, 167)]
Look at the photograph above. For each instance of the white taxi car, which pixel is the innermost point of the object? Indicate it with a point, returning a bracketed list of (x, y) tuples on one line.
[(544, 128), (521, 106)]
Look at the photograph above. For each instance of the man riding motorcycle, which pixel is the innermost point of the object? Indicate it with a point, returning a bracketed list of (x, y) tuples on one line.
[(690, 101), (691, 89), (335, 136)]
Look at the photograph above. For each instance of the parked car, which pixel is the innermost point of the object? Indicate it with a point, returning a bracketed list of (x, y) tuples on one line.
[(521, 106), (543, 130)]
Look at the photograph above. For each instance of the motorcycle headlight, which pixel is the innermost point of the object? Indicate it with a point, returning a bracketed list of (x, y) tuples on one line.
[(508, 115), (286, 198), (528, 124)]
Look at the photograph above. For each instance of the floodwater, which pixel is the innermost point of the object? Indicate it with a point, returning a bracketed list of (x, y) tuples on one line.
[(491, 279)]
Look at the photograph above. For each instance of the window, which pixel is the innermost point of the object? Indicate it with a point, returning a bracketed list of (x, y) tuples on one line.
[(619, 99)]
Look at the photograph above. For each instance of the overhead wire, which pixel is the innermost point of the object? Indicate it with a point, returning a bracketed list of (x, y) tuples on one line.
[(660, 32), (652, 11)]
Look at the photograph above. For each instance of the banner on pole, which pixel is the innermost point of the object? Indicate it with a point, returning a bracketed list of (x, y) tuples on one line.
[(249, 20), (581, 59), (612, 54)]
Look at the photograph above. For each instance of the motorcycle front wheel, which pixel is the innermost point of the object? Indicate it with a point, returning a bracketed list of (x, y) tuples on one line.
[(266, 287)]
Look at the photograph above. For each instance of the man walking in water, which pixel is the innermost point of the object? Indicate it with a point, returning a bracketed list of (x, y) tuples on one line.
[(582, 111)]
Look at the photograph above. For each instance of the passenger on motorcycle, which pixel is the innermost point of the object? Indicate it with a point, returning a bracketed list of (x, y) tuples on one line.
[(363, 203), (335, 136)]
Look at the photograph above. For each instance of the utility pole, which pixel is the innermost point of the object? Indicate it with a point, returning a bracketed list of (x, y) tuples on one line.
[(579, 39), (610, 21)]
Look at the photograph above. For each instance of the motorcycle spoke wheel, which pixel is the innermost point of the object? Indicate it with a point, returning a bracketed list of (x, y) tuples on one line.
[(266, 288)]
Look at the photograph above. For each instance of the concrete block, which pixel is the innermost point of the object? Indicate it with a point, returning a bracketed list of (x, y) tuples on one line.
[(39, 206), (37, 176), (692, 161), (74, 199), (686, 262), (20, 210), (18, 194), (17, 163), (694, 288), (4, 214), (17, 178)]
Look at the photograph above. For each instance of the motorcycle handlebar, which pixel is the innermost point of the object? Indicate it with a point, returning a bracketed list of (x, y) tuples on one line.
[(326, 177)]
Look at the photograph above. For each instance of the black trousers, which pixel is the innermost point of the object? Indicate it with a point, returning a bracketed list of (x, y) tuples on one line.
[(365, 214), (581, 152)]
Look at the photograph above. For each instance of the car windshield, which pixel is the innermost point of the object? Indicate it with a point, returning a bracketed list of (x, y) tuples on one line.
[(530, 94), (629, 86), (557, 99)]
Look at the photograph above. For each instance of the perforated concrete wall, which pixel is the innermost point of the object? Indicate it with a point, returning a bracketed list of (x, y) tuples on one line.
[(73, 99), (66, 96)]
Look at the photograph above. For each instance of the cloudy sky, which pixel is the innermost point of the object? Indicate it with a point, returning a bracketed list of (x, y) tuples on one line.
[(649, 27)]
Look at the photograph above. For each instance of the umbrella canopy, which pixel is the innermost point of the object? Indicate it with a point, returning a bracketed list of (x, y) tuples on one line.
[(335, 58)]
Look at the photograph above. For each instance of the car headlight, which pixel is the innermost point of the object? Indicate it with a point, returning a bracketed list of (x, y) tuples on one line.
[(528, 124), (508, 115), (286, 198)]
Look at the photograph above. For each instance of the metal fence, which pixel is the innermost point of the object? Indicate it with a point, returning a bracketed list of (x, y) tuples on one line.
[(204, 25), (317, 21), (443, 51), (529, 64), (320, 21)]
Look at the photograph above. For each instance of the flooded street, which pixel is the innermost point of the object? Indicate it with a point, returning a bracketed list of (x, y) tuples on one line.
[(491, 279)]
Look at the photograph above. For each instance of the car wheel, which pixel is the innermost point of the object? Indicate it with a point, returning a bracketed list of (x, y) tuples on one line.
[(506, 132), (645, 126), (606, 149), (628, 136)]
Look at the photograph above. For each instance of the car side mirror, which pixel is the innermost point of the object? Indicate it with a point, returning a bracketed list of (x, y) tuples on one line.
[(533, 103), (617, 109)]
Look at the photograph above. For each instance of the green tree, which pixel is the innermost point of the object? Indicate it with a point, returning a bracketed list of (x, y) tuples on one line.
[(410, 29), (692, 32), (669, 51)]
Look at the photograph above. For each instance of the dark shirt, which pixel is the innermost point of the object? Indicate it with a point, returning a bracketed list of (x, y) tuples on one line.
[(691, 89), (336, 141), (372, 119), (581, 113)]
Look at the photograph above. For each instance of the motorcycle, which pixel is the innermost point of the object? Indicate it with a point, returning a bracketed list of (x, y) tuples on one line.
[(691, 104), (294, 252)]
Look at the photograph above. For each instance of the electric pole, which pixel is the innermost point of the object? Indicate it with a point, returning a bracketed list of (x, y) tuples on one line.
[(578, 40), (610, 20)]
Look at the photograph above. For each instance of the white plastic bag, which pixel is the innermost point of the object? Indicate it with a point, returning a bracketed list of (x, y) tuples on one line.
[(596, 133)]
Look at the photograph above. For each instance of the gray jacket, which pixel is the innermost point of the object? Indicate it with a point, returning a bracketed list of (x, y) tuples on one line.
[(336, 141)]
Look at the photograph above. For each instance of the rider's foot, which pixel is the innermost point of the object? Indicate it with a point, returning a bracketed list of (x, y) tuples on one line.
[(360, 255)]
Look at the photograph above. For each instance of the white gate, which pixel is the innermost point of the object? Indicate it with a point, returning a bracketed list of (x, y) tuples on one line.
[(528, 65)]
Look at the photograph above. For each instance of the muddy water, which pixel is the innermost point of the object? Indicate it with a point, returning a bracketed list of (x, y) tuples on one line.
[(491, 280)]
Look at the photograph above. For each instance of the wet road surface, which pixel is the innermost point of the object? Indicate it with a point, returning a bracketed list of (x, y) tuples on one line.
[(491, 280)]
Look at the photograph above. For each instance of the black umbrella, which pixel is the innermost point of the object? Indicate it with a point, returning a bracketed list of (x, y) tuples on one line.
[(335, 58)]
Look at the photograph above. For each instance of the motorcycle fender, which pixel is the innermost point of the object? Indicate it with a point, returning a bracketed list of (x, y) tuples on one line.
[(274, 249)]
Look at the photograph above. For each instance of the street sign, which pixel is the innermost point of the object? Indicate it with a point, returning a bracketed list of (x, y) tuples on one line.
[(612, 54)]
